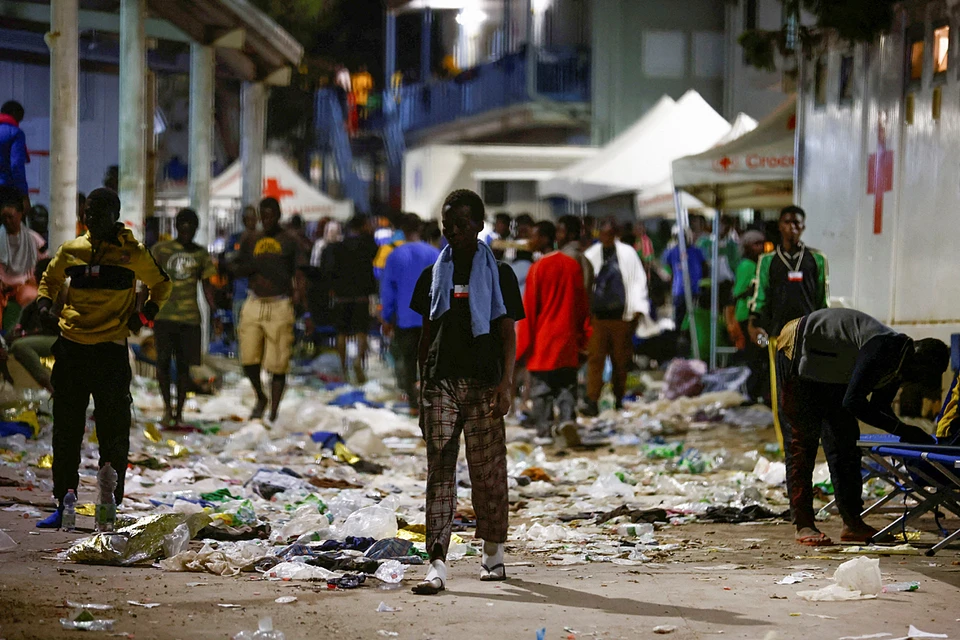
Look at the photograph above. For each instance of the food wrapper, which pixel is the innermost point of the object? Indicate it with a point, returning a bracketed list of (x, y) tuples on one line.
[(152, 433), (87, 509), (45, 461), (29, 417), (418, 533), (139, 542)]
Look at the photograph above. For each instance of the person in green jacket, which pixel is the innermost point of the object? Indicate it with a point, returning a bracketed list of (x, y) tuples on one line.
[(751, 354), (792, 281)]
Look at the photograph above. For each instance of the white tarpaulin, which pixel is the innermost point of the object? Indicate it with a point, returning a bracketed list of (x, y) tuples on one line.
[(296, 195), (754, 170), (658, 200), (586, 180), (640, 158)]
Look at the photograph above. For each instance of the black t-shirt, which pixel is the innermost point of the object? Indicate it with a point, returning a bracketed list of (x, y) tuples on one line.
[(271, 261), (455, 354), (791, 300), (349, 266)]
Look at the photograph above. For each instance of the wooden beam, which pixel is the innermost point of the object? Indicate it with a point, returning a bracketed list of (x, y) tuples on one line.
[(226, 38)]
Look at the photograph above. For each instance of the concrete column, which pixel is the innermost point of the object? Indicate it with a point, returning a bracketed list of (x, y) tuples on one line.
[(133, 67), (426, 29), (64, 69), (201, 135), (390, 63), (253, 134)]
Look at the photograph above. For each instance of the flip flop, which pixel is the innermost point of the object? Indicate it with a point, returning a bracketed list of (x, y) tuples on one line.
[(428, 588), (487, 574), (818, 540), (858, 538)]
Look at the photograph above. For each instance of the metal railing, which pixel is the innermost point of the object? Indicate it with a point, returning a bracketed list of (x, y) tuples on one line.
[(331, 135), (562, 76)]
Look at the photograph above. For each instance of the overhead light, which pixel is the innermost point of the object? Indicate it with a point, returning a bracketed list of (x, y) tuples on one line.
[(471, 18), (539, 6)]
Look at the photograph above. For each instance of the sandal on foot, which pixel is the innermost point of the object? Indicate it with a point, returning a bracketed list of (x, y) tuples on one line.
[(429, 587), (490, 574), (815, 540)]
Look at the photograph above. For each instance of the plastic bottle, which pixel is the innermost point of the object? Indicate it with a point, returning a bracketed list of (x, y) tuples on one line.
[(902, 586), (68, 520), (107, 505), (635, 530)]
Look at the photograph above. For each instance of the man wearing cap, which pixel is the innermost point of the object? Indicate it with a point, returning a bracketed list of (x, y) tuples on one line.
[(99, 314)]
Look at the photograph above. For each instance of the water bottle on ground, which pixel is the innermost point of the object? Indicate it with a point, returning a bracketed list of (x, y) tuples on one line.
[(68, 520), (107, 505)]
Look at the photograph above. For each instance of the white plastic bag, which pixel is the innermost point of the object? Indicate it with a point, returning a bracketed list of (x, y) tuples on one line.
[(371, 522), (390, 572), (857, 579), (177, 541), (300, 571)]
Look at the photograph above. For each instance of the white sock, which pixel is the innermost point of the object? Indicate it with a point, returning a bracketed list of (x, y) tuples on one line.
[(492, 554), (438, 571)]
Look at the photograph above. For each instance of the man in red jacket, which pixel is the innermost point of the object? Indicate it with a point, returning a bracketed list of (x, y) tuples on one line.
[(553, 334)]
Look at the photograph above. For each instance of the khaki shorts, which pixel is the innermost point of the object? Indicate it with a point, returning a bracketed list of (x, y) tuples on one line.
[(266, 333)]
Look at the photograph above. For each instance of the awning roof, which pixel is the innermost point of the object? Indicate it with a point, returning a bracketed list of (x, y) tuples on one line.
[(640, 158), (250, 45), (752, 171)]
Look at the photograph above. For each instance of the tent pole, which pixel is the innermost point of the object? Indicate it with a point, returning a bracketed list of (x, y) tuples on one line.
[(714, 282), (685, 271)]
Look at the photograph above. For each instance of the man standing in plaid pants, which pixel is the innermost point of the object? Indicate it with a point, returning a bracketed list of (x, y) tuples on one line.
[(469, 303)]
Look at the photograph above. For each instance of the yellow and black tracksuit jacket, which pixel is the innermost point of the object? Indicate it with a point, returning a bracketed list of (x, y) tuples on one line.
[(102, 293)]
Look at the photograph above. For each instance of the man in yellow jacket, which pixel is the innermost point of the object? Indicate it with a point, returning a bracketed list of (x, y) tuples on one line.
[(99, 314)]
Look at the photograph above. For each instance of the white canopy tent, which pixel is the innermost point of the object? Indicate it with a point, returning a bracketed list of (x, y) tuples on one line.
[(280, 180), (640, 159), (589, 179), (754, 170)]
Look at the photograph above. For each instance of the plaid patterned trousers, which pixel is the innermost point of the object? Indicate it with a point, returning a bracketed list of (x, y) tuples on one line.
[(450, 407)]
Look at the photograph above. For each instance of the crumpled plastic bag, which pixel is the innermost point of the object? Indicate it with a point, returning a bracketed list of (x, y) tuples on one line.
[(770, 473), (684, 378), (306, 519), (370, 522), (857, 579), (608, 486), (729, 379), (222, 558), (139, 542), (550, 533), (177, 541), (301, 571), (84, 621)]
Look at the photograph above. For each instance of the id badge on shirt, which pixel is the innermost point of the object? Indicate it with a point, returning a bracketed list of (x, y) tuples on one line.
[(461, 291), (93, 271), (795, 276)]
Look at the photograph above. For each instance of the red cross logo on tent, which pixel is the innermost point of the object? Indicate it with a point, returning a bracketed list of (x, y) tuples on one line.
[(880, 175), (272, 189), (724, 163)]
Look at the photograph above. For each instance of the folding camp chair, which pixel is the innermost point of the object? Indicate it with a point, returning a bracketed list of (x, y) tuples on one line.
[(870, 470), (926, 473)]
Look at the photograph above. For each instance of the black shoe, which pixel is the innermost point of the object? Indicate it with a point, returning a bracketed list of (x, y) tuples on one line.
[(590, 409)]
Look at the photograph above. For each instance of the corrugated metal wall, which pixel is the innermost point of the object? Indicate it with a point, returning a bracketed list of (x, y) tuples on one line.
[(903, 272), (97, 121)]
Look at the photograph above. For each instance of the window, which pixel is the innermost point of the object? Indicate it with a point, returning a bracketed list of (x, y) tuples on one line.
[(664, 54), (916, 60), (494, 192), (708, 54), (750, 15), (941, 49), (749, 20), (846, 79), (820, 83)]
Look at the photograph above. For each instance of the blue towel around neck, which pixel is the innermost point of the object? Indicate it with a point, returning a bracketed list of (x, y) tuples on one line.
[(486, 299)]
